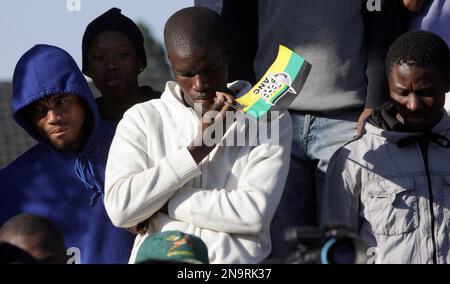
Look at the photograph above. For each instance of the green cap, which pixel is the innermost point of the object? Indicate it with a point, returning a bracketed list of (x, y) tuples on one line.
[(173, 246)]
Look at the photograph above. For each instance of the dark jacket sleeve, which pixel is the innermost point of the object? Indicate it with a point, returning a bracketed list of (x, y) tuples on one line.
[(381, 29), (241, 24)]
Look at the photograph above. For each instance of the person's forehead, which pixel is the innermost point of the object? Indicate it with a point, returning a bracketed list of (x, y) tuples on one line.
[(111, 38), (53, 98), (411, 67), (195, 53), (405, 71), (180, 43)]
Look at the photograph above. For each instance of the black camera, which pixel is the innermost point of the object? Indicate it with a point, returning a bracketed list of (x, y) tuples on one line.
[(328, 245)]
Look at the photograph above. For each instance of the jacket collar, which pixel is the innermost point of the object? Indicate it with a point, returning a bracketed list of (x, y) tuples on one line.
[(383, 123)]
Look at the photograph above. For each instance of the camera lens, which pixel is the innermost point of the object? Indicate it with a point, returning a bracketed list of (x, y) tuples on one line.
[(338, 251)]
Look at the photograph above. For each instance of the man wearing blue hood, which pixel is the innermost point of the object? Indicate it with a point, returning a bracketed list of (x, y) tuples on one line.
[(62, 177)]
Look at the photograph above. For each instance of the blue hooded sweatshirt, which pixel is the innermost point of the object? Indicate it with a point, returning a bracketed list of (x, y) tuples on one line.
[(65, 187)]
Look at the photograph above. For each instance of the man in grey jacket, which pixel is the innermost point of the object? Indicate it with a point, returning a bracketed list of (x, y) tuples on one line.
[(393, 184), (346, 42)]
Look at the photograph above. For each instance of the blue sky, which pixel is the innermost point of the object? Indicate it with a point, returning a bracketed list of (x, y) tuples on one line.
[(24, 23)]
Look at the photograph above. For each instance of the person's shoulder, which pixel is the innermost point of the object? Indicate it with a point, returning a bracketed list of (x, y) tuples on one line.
[(165, 106), (361, 146), (372, 136), (358, 145), (145, 116), (141, 110), (26, 161), (35, 152)]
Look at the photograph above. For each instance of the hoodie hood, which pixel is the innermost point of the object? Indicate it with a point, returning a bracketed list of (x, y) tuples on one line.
[(43, 71), (46, 70)]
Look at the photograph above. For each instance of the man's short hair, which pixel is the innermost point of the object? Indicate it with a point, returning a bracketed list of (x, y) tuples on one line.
[(192, 27), (419, 48), (28, 224)]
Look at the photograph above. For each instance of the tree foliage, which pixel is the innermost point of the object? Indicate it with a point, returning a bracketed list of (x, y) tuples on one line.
[(158, 71)]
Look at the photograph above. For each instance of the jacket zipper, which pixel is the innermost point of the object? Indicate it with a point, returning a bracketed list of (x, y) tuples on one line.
[(424, 151)]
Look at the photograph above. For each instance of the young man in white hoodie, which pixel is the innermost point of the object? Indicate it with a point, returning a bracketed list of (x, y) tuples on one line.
[(393, 184), (162, 171)]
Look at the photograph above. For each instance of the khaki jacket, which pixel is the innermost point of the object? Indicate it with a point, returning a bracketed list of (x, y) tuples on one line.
[(398, 204)]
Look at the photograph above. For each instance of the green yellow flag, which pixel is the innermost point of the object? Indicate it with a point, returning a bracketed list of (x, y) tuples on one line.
[(278, 87)]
